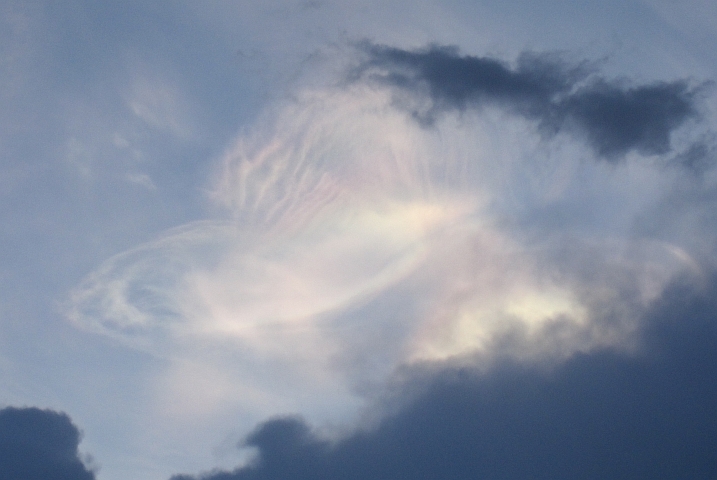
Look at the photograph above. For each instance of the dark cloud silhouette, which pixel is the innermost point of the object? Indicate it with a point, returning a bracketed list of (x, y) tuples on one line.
[(612, 117), (651, 414), (39, 445)]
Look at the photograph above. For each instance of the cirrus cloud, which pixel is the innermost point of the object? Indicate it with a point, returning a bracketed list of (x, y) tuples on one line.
[(349, 240)]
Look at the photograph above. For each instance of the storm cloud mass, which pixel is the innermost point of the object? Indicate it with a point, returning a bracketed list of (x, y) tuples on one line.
[(39, 445), (601, 415), (615, 118)]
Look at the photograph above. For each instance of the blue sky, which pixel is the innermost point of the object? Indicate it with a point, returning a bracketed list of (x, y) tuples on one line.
[(219, 213)]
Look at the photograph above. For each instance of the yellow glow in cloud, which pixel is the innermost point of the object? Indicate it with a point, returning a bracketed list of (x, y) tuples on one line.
[(474, 327)]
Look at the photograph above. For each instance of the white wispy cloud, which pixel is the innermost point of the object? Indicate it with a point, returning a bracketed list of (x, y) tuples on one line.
[(162, 106), (355, 241)]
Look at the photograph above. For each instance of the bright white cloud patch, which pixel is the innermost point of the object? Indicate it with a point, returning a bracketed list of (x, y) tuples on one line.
[(356, 241)]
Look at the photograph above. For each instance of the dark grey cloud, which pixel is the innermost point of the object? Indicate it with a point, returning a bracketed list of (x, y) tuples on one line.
[(699, 157), (600, 415), (39, 445), (613, 117)]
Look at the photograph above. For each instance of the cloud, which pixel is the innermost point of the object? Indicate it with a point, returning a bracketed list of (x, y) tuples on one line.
[(347, 242), (604, 414), (613, 117), (161, 106), (342, 209), (40, 445)]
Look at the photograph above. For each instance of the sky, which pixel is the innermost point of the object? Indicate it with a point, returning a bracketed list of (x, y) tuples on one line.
[(331, 239)]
